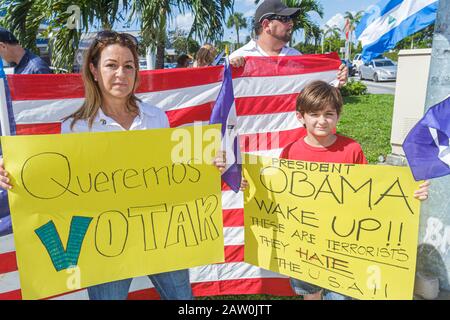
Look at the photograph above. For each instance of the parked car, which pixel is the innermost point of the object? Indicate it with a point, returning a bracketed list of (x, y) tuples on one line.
[(350, 66), (379, 70), (357, 62), (170, 65)]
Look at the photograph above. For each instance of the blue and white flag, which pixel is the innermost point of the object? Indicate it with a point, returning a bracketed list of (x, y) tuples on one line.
[(389, 21), (224, 112), (427, 144)]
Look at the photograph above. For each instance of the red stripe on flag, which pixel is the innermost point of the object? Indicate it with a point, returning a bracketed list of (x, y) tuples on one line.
[(190, 114), (272, 286), (38, 128), (8, 262), (145, 294), (270, 140), (234, 253), (265, 104), (11, 295), (233, 217), (170, 79), (284, 66)]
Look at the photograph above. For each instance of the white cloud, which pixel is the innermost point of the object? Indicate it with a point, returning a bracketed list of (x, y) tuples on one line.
[(250, 13), (246, 3), (336, 21), (184, 22)]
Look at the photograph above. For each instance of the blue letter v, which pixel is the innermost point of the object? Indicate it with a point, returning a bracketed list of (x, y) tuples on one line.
[(50, 238)]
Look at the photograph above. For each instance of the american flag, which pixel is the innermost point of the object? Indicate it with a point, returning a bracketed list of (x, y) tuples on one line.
[(265, 92)]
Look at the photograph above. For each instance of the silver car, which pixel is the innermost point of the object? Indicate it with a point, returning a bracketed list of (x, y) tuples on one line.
[(378, 70)]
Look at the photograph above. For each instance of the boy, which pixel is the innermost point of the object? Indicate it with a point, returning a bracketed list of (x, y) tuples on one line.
[(319, 106)]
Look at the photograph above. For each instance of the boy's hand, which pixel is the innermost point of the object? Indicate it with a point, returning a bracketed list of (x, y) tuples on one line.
[(244, 184), (422, 193)]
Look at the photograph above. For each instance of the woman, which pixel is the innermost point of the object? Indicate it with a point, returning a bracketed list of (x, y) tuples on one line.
[(110, 75), (205, 56)]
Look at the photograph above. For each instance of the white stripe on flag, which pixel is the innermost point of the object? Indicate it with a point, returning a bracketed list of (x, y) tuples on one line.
[(79, 295), (230, 271), (380, 26), (267, 122), (272, 153), (9, 282), (7, 244), (233, 236), (232, 200)]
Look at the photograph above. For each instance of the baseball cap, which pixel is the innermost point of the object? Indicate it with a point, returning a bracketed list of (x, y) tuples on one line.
[(7, 37), (274, 7)]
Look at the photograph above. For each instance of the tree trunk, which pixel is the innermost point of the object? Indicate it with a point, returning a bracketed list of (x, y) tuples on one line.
[(161, 41), (237, 34)]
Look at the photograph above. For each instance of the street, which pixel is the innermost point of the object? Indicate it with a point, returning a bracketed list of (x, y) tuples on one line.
[(378, 87)]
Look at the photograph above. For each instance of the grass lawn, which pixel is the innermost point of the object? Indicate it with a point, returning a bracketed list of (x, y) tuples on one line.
[(366, 119)]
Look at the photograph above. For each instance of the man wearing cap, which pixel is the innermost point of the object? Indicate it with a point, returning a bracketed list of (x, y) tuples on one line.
[(25, 61), (273, 29)]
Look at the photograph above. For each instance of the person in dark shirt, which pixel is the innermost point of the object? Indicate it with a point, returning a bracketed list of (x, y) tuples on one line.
[(25, 61)]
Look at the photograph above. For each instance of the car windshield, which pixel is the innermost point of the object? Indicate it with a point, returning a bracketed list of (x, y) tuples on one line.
[(384, 63)]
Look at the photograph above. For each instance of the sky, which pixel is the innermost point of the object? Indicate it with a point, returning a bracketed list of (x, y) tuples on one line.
[(333, 15)]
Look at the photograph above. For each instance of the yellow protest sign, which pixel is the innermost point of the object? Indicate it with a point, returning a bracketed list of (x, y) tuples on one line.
[(91, 208), (352, 229)]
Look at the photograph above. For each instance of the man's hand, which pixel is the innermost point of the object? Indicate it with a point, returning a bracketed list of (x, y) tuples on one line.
[(422, 192), (342, 75), (237, 62)]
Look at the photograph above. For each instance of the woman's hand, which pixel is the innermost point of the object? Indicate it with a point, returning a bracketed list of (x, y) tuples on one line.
[(422, 193), (4, 180), (219, 161)]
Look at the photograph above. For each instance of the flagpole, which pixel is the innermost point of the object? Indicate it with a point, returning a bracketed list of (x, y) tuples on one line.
[(4, 120), (434, 236)]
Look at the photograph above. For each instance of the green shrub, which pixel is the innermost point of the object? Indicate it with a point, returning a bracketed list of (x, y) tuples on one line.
[(354, 88)]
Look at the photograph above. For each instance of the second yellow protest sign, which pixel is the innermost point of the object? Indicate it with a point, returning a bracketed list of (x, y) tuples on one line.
[(352, 229), (94, 208)]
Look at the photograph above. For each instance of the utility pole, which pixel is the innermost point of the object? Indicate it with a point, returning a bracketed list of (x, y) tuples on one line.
[(433, 260)]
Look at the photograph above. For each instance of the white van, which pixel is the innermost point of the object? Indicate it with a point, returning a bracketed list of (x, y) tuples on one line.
[(357, 62)]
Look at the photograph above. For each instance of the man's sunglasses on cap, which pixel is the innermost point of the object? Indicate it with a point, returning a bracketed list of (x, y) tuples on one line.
[(279, 18)]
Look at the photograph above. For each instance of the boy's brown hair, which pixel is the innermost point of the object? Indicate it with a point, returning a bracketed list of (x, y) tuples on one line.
[(316, 96)]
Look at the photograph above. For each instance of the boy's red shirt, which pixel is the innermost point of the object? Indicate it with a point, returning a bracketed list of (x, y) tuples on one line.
[(343, 150)]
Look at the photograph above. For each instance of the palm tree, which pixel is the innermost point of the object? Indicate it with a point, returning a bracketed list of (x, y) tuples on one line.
[(303, 20), (25, 18), (353, 20), (333, 31), (313, 32), (209, 16), (237, 21)]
